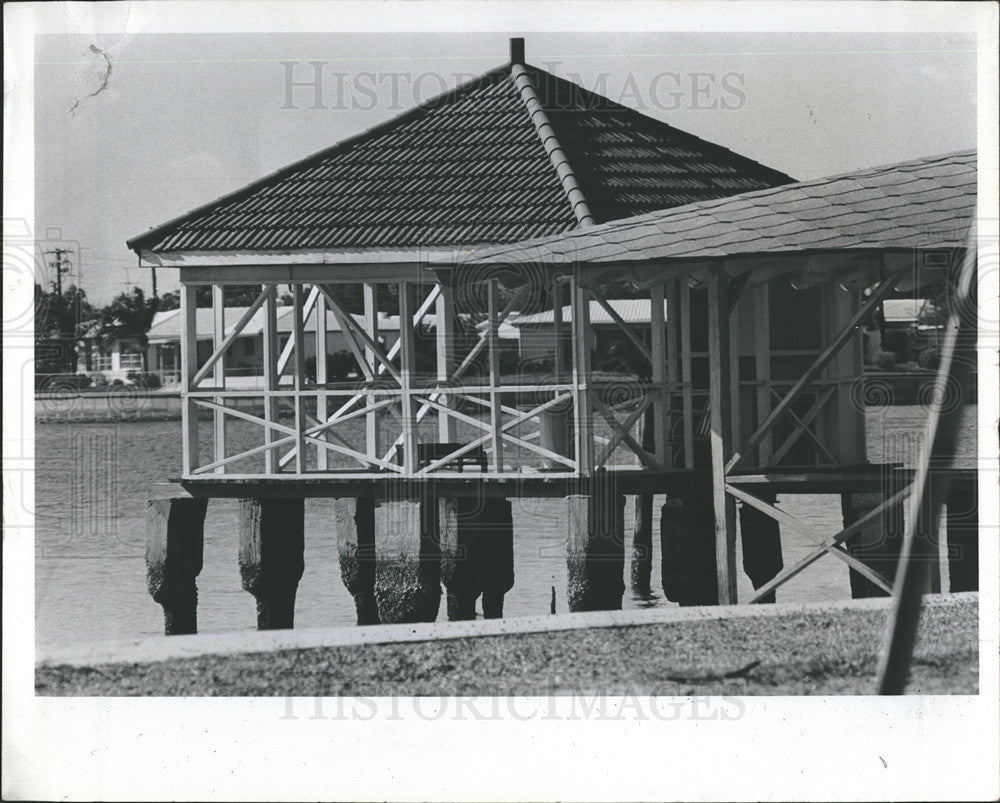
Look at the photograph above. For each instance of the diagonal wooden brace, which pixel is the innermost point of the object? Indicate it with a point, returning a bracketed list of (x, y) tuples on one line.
[(821, 362)]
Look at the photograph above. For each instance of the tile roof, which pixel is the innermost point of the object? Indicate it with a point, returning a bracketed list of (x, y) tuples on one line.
[(631, 310), (924, 203), (464, 169)]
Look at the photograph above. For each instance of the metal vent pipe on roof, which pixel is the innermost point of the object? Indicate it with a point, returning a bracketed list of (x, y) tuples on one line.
[(517, 50)]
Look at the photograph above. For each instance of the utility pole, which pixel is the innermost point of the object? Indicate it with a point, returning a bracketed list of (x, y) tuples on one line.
[(59, 266)]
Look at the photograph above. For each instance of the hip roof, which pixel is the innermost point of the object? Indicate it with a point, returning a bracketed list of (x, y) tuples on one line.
[(474, 166)]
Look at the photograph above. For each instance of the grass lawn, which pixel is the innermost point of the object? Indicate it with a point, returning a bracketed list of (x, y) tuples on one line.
[(814, 653)]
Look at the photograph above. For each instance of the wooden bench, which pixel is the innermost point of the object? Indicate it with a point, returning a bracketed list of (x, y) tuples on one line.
[(428, 453)]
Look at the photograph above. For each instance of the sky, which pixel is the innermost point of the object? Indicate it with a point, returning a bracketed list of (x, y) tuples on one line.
[(185, 118)]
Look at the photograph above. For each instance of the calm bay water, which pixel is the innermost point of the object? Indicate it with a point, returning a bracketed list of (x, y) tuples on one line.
[(92, 482)]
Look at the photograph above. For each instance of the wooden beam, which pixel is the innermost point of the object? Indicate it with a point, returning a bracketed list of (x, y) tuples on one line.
[(803, 426), (189, 367), (762, 360), (496, 416), (814, 370), (820, 446), (648, 460), (369, 291), (286, 352), (687, 393), (445, 341), (321, 376), (219, 350), (481, 343), (351, 328), (333, 447), (734, 357), (802, 528), (719, 380), (270, 367), (624, 430), (658, 360), (559, 329), (219, 374), (816, 553), (581, 377), (407, 368), (620, 323), (670, 376), (348, 326), (298, 336)]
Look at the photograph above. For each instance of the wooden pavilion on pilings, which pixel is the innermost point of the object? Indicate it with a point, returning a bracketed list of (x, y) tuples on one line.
[(806, 263), (425, 449)]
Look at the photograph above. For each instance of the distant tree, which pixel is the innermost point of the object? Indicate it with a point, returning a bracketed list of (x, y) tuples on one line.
[(59, 320), (169, 301), (129, 316)]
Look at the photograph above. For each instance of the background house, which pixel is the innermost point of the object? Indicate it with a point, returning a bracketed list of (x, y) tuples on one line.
[(537, 336), (245, 357)]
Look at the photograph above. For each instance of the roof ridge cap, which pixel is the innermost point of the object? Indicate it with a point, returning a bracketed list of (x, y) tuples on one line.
[(547, 135)]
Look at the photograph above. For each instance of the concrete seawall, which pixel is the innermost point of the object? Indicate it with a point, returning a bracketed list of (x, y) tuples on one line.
[(122, 404)]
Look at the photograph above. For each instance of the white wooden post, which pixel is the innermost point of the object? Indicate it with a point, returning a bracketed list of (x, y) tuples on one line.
[(407, 365), (371, 329), (496, 415), (672, 355), (762, 352), (688, 392), (842, 425), (658, 359), (719, 381), (270, 370), (734, 366), (298, 333), (219, 373), (189, 367), (321, 378), (581, 378), (445, 333), (558, 329)]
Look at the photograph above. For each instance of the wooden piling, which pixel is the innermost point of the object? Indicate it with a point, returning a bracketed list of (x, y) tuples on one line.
[(272, 538), (760, 536), (596, 551), (642, 545), (478, 556), (408, 559), (174, 546), (963, 535), (354, 521), (878, 544), (687, 548)]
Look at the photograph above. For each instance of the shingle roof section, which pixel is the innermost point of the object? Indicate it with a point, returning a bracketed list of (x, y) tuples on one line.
[(465, 169), (628, 164), (924, 203)]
